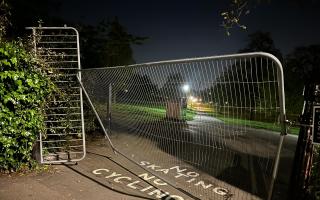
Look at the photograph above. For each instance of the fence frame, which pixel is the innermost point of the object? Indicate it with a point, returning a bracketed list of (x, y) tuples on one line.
[(34, 29), (281, 94)]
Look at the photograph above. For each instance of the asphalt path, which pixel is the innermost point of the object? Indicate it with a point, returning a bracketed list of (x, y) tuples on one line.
[(254, 150), (236, 157)]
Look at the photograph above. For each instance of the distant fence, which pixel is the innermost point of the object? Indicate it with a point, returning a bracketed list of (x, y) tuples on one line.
[(220, 153)]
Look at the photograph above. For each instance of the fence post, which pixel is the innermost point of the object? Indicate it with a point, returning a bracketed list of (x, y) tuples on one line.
[(109, 106), (302, 164)]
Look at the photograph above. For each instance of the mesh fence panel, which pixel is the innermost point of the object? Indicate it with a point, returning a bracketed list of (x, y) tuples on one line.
[(209, 126)]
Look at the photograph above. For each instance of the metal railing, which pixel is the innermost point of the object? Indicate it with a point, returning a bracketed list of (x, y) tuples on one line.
[(64, 140)]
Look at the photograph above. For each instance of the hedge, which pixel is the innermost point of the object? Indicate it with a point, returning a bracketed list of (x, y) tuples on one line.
[(24, 88)]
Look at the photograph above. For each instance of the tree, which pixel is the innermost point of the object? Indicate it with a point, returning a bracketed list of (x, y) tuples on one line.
[(233, 15), (172, 89), (140, 88), (304, 63), (29, 13), (4, 18), (302, 67), (261, 41), (238, 84), (118, 48), (107, 44)]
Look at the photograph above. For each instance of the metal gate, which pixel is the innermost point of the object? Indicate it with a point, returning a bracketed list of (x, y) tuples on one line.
[(64, 140), (212, 126)]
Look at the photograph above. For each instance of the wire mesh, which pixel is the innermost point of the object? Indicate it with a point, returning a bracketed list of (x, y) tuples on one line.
[(210, 126)]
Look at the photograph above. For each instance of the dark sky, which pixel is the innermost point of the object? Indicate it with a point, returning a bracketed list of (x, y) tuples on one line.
[(191, 28)]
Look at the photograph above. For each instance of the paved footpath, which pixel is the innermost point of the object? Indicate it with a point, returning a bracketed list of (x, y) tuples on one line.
[(62, 184), (104, 175)]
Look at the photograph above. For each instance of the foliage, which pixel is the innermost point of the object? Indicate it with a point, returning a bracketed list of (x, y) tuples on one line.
[(257, 101), (107, 44), (314, 188), (234, 14), (261, 41), (4, 17), (23, 90), (304, 63), (231, 17), (29, 13), (139, 88), (302, 67), (172, 88)]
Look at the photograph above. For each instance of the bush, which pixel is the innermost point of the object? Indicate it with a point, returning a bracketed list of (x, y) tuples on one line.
[(314, 183), (24, 88)]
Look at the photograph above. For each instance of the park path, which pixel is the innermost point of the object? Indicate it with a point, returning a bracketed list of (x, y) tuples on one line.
[(61, 183), (252, 150)]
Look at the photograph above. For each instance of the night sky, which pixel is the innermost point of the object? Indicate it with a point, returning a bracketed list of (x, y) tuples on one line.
[(180, 29)]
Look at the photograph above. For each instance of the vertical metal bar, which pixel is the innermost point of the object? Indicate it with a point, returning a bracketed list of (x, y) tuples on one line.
[(81, 98), (97, 115), (35, 54), (34, 41), (280, 80), (110, 105), (276, 166), (40, 143)]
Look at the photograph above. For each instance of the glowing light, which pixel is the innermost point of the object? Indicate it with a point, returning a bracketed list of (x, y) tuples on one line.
[(186, 88)]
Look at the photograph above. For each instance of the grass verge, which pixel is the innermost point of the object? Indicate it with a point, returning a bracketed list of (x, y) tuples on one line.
[(254, 124), (148, 114)]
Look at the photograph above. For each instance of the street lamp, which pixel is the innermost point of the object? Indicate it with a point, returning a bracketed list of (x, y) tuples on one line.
[(186, 88)]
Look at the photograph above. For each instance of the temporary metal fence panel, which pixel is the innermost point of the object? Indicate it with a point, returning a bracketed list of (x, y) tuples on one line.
[(316, 125), (64, 140), (208, 126)]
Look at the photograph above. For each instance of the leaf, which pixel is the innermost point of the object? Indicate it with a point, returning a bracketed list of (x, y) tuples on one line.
[(23, 89), (14, 60), (5, 62)]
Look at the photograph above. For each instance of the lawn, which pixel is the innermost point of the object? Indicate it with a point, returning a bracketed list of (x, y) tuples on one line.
[(144, 113), (254, 124), (207, 108), (147, 113)]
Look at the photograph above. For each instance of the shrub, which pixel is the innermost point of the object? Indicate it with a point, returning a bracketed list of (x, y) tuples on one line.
[(24, 88)]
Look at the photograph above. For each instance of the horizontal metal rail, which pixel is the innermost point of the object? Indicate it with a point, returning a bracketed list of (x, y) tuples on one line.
[(57, 55), (59, 121), (56, 48), (58, 42), (58, 35), (52, 141), (58, 127), (64, 61), (75, 146), (57, 114), (54, 108), (62, 134)]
